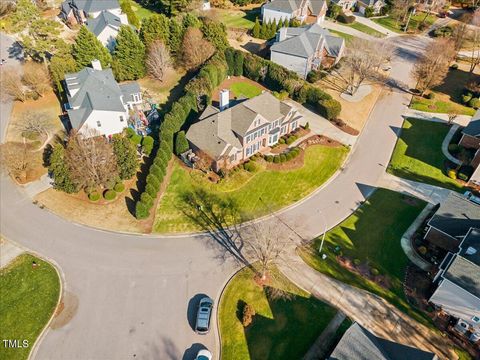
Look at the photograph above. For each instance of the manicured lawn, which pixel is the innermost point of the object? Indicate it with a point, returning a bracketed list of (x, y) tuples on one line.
[(238, 18), (347, 37), (365, 29), (141, 11), (448, 95), (281, 329), (244, 89), (372, 235), (243, 195), (396, 26), (28, 298), (418, 154)]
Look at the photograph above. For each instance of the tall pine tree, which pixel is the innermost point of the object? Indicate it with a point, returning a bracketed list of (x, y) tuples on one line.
[(176, 36), (128, 56), (87, 48), (133, 19), (156, 27), (256, 29)]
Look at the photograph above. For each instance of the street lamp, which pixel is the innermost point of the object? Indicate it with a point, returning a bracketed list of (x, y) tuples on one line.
[(324, 233)]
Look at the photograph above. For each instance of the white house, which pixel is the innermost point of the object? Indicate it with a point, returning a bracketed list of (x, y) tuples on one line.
[(79, 11), (346, 5), (376, 5), (303, 10), (106, 27), (97, 102), (306, 48)]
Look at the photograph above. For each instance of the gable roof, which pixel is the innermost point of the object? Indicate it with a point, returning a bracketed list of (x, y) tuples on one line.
[(92, 90), (216, 133), (286, 6), (304, 41), (89, 6), (456, 216), (102, 21), (359, 344), (473, 127)]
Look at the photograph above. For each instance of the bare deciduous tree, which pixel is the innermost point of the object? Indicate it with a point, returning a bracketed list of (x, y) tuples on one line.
[(474, 38), (36, 77), (11, 83), (432, 67), (158, 60), (195, 49), (459, 35), (90, 160), (7, 6), (36, 123), (15, 158)]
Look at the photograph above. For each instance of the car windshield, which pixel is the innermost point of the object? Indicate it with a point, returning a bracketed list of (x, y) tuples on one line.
[(201, 357)]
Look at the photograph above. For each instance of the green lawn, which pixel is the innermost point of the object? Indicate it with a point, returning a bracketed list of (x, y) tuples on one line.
[(281, 329), (240, 193), (418, 154), (28, 298), (396, 26), (365, 29), (343, 35), (372, 235), (141, 11), (244, 89), (238, 18), (439, 106)]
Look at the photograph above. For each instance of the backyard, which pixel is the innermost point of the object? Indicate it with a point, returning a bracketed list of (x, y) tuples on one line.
[(281, 328), (245, 195), (418, 156), (236, 19), (29, 296), (447, 96), (370, 239), (415, 20)]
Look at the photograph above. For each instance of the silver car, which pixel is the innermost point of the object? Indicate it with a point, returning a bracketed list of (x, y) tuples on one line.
[(202, 326)]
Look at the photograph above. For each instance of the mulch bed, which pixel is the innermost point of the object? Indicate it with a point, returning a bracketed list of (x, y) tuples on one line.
[(364, 271), (293, 164), (319, 140), (345, 128)]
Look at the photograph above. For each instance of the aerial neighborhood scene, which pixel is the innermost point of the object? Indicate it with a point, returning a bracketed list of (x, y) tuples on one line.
[(240, 179)]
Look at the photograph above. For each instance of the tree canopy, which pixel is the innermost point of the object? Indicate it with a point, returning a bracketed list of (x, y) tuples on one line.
[(87, 48), (128, 56)]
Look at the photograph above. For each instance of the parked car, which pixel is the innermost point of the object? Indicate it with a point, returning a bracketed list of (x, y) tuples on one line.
[(471, 197), (204, 355), (204, 313)]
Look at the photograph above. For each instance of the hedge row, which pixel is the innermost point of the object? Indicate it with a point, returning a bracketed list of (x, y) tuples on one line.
[(279, 79), (197, 93), (281, 158)]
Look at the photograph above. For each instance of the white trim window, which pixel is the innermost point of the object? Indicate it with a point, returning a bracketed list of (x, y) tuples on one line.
[(136, 97)]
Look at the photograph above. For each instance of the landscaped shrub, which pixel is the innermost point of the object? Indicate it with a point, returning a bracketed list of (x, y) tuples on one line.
[(291, 139), (283, 158), (250, 166), (369, 11), (452, 173), (276, 159), (141, 210), (146, 199), (151, 190), (453, 149), (147, 145), (454, 66), (154, 181), (136, 139), (422, 250), (109, 195), (375, 271), (247, 315), (430, 96), (313, 76), (356, 262), (346, 19), (289, 155), (281, 141), (269, 158), (282, 95), (119, 187), (94, 196), (467, 97), (330, 109), (474, 103), (307, 126)]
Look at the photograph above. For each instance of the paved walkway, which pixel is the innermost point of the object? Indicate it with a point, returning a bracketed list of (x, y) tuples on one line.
[(461, 120), (321, 126), (365, 21), (446, 142), (369, 310), (323, 343), (347, 30), (8, 252), (430, 193), (36, 187), (406, 241)]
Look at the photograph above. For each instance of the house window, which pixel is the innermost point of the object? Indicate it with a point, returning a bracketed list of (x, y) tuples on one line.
[(476, 319), (294, 125), (99, 124), (248, 151), (284, 129), (269, 126), (136, 97), (121, 118)]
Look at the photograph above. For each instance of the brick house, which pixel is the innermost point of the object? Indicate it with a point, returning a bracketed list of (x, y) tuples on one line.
[(309, 11), (231, 135), (77, 12), (471, 140)]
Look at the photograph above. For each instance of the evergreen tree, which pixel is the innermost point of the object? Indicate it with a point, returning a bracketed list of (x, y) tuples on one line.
[(190, 20), (216, 33), (229, 57), (256, 29), (176, 36), (263, 30), (132, 18), (59, 169), (181, 143), (60, 65), (156, 27), (128, 56), (87, 48), (272, 29), (126, 154), (238, 66), (281, 24)]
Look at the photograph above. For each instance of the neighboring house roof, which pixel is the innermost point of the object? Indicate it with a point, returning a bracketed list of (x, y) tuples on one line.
[(316, 6), (89, 6), (473, 127), (102, 21), (286, 6), (129, 89), (218, 132), (359, 344), (90, 90), (456, 216), (304, 41)]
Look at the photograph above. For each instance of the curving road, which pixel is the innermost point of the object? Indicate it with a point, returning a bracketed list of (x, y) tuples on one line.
[(127, 296)]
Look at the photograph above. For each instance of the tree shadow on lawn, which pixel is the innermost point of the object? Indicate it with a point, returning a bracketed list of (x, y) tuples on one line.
[(295, 324), (454, 84)]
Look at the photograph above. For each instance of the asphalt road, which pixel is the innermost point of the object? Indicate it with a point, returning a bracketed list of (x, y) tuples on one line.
[(127, 296)]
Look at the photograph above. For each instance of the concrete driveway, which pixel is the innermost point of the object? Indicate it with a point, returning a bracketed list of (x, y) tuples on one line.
[(127, 296)]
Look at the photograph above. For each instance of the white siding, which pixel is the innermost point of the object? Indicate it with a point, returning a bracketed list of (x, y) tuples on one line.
[(107, 37), (109, 120), (271, 15), (291, 62)]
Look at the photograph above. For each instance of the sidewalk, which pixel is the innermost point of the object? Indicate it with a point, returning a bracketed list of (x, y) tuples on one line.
[(430, 193), (365, 21), (446, 142), (8, 252), (369, 310), (36, 187), (346, 29), (461, 120)]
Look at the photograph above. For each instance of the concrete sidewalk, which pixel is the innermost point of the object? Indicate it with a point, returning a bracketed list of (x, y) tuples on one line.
[(365, 21), (369, 310), (346, 29), (461, 120), (36, 187), (8, 252), (446, 142)]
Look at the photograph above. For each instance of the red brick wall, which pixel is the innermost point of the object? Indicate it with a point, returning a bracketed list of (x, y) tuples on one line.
[(476, 159)]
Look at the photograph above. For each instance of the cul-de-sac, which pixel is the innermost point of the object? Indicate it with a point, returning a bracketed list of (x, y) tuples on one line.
[(239, 179)]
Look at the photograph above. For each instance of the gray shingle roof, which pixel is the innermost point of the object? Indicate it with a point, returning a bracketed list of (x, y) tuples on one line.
[(359, 344), (456, 216), (473, 127), (304, 41), (90, 6), (286, 6), (105, 19), (316, 6), (128, 89), (465, 274)]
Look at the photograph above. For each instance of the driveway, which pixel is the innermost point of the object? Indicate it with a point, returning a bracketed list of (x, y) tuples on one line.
[(126, 296)]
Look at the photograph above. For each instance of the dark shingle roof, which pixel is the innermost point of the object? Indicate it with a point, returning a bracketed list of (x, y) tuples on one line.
[(286, 6), (465, 274), (473, 127), (359, 344), (304, 41), (456, 216), (90, 6), (105, 19)]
